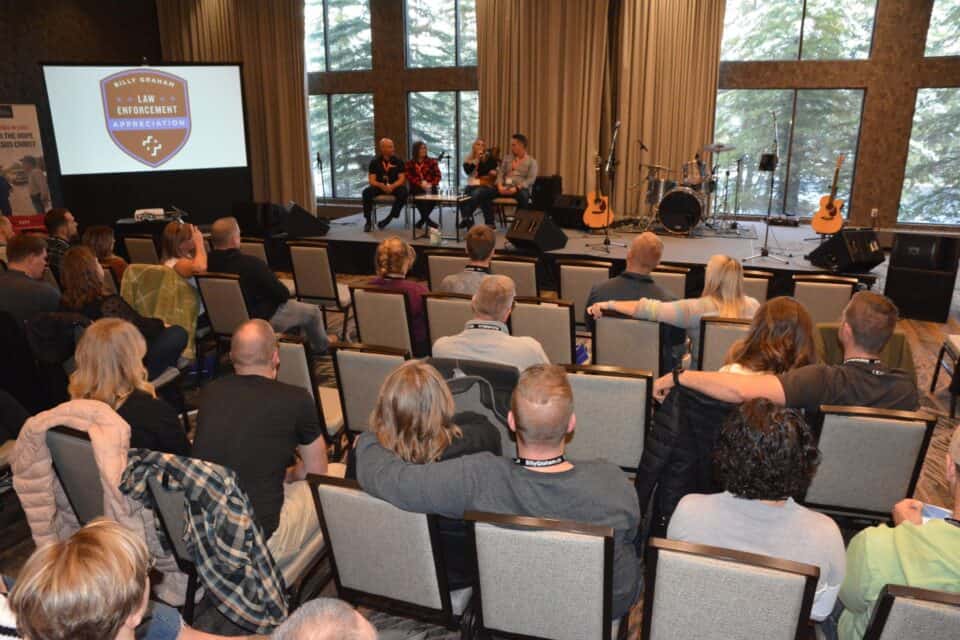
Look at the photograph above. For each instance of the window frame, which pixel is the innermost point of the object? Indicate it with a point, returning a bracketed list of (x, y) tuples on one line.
[(456, 39)]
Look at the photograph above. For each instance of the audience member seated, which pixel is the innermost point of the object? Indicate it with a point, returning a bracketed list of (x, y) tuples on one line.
[(94, 585), (540, 483), (517, 173), (101, 240), (83, 293), (269, 434), (722, 296), (481, 241), (394, 259), (867, 323), (6, 232), (110, 368), (765, 457), (414, 418), (61, 234), (182, 249), (912, 553), (423, 177), (267, 298), (385, 176), (325, 619), (23, 293), (481, 169), (780, 339), (486, 337)]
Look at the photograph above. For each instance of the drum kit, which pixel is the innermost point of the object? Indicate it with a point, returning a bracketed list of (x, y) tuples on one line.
[(681, 208)]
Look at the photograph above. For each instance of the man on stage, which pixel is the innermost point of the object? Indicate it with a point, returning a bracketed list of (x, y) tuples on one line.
[(386, 176), (518, 172)]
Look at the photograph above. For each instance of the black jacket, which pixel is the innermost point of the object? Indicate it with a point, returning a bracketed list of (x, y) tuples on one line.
[(262, 290), (678, 453)]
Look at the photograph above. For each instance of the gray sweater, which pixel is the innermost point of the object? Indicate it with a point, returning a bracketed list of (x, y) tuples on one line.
[(594, 492)]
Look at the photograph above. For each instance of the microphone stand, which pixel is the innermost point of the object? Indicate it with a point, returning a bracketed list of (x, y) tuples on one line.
[(768, 162), (611, 171)]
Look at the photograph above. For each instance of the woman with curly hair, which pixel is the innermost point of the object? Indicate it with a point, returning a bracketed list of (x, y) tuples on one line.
[(766, 457), (392, 262), (81, 277), (780, 339)]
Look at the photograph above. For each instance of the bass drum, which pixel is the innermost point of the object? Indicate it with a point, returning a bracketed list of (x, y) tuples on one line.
[(681, 210)]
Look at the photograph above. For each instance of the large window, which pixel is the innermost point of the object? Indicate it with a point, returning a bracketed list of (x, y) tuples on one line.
[(447, 122), (341, 134), (441, 33), (807, 157), (337, 35), (943, 36), (797, 29), (931, 192)]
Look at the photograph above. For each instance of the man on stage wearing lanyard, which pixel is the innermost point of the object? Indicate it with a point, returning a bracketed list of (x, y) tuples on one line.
[(541, 482), (518, 172), (423, 175), (385, 176), (862, 380)]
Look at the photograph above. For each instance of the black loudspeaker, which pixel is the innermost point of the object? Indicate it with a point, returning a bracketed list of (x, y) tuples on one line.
[(535, 230), (303, 224), (568, 210), (921, 275), (260, 219), (545, 191), (850, 250)]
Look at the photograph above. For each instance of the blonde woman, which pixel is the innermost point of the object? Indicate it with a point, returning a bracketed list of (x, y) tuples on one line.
[(722, 296), (481, 169), (393, 260), (182, 249), (414, 418), (110, 368)]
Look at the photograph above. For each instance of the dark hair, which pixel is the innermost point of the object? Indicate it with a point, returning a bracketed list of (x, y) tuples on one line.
[(80, 277), (872, 319), (480, 242), (780, 338), (100, 239), (54, 219), (765, 452), (23, 245), (522, 139), (416, 149)]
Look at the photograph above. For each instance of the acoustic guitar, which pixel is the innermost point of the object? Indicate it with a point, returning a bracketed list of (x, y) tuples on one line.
[(829, 217), (598, 214)]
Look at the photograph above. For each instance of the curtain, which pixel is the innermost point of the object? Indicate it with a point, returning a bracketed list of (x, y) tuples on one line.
[(540, 72), (268, 38), (667, 70)]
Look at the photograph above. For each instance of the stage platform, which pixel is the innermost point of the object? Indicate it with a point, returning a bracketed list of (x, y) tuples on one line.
[(353, 249)]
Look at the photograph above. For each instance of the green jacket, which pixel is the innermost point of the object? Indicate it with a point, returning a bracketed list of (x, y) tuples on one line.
[(157, 291)]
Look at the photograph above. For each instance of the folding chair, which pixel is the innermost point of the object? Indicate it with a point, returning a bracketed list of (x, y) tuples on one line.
[(551, 323), (717, 335), (315, 280)]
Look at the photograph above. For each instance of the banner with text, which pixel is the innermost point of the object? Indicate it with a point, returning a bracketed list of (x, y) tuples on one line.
[(23, 177)]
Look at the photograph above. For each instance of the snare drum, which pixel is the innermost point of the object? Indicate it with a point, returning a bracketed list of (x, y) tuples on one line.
[(681, 210)]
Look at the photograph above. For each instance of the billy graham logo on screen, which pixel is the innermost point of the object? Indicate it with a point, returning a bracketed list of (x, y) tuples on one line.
[(147, 113)]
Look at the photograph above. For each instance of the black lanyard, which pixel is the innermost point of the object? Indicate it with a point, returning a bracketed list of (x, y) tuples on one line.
[(478, 269), (539, 464)]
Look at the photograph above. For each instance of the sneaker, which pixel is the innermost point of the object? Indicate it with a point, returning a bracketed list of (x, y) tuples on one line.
[(466, 223), (368, 227), (419, 224), (383, 223)]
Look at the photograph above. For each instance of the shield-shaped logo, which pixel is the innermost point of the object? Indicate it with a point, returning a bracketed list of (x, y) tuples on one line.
[(147, 113)]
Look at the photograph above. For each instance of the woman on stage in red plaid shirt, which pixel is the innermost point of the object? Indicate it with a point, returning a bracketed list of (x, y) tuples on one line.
[(423, 175)]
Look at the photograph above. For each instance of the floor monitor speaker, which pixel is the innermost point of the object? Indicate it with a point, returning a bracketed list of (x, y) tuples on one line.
[(849, 250), (535, 230)]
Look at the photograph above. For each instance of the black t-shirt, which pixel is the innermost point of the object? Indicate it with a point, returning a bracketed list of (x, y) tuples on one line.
[(854, 383), (154, 424), (252, 425), (388, 170), (262, 290)]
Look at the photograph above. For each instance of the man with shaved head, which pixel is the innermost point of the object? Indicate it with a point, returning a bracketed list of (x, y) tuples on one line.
[(269, 433), (267, 298), (540, 482), (386, 176), (325, 619)]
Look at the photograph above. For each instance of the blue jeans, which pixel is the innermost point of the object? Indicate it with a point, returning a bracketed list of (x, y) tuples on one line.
[(164, 350), (480, 196), (160, 622)]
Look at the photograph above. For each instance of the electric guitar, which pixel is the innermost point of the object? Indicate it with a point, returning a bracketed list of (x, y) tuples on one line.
[(598, 214), (829, 217)]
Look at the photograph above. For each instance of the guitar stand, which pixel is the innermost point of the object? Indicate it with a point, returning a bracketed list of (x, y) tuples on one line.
[(607, 242)]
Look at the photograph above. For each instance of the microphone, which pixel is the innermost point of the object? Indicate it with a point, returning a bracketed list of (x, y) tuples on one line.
[(443, 154)]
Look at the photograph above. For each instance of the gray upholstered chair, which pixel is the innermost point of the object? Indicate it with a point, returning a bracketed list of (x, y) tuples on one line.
[(383, 317), (577, 277), (315, 280), (824, 296), (542, 578), (672, 279), (870, 460), (551, 323), (76, 468), (717, 335), (442, 263), (756, 284), (141, 249), (500, 206), (361, 370), (224, 302), (620, 341), (522, 270), (447, 313), (296, 368), (703, 592), (613, 414), (382, 553), (918, 614)]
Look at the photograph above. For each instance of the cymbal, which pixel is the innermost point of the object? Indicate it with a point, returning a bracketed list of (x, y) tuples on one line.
[(658, 167), (719, 147)]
